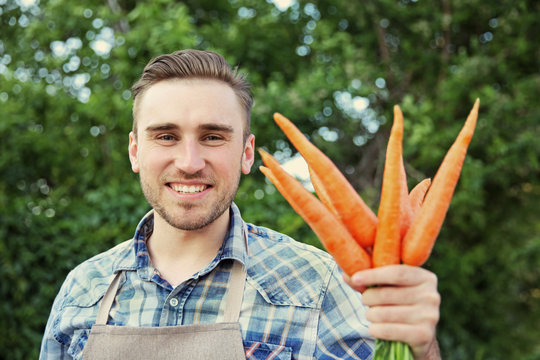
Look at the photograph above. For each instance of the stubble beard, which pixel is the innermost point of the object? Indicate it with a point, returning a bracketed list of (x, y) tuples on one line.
[(181, 222)]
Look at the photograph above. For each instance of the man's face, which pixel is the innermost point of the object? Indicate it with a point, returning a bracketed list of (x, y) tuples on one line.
[(189, 150)]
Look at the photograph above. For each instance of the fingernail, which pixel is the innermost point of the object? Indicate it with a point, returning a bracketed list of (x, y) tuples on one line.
[(357, 279)]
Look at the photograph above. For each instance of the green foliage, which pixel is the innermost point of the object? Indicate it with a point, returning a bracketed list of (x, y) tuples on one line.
[(334, 67)]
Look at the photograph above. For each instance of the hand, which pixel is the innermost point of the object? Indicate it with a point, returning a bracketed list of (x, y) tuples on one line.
[(404, 306)]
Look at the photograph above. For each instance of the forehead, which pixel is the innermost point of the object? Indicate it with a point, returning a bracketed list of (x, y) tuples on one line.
[(186, 102)]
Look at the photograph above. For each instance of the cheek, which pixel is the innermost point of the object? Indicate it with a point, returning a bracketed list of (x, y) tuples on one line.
[(228, 165), (152, 161)]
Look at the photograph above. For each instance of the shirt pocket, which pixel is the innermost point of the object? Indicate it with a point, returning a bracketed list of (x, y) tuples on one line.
[(258, 350)]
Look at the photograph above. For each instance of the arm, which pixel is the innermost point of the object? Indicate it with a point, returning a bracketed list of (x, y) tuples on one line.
[(342, 331), (51, 347), (405, 308)]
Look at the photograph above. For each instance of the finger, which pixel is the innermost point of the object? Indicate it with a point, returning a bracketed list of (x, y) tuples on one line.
[(349, 282), (411, 334), (422, 295), (419, 337), (390, 295), (411, 315), (397, 275)]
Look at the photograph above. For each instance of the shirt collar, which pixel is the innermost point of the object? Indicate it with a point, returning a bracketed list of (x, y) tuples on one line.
[(234, 246)]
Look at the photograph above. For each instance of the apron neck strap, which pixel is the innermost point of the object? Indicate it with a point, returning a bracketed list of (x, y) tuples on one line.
[(233, 304), (235, 292), (108, 299)]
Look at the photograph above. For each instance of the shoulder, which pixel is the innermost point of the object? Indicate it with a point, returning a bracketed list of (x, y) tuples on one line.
[(265, 242), (87, 282), (75, 307), (287, 271)]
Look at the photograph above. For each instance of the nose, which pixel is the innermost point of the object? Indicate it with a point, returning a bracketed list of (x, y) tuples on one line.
[(189, 157)]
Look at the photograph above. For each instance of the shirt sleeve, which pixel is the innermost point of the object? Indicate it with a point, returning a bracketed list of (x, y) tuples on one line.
[(51, 347), (343, 328)]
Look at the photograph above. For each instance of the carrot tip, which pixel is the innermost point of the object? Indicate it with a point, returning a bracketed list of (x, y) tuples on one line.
[(476, 106), (262, 152), (277, 115)]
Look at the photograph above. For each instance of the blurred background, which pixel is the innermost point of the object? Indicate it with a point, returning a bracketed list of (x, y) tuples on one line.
[(336, 68)]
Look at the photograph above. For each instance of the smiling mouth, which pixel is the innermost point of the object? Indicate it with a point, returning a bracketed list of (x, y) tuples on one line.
[(188, 189)]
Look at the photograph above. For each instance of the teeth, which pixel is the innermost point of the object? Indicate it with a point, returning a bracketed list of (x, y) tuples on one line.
[(192, 189)]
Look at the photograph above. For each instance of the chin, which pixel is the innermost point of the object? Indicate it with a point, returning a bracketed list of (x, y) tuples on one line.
[(190, 219)]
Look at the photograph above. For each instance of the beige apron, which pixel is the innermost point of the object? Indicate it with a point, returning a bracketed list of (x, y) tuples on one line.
[(202, 341)]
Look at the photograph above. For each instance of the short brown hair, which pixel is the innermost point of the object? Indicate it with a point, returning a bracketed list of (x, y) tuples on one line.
[(189, 64)]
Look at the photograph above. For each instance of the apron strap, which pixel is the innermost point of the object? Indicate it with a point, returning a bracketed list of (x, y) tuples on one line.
[(107, 301), (237, 281), (235, 293), (233, 303)]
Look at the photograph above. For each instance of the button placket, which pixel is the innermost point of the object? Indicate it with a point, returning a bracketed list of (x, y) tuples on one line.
[(173, 307)]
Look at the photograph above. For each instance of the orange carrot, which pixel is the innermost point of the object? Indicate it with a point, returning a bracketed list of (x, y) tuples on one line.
[(354, 213), (321, 192), (421, 236), (333, 235), (405, 208), (387, 247), (417, 194)]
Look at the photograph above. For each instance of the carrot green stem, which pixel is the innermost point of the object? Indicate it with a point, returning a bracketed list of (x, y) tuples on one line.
[(392, 350)]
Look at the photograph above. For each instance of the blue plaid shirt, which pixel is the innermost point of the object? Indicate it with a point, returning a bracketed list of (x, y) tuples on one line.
[(295, 306)]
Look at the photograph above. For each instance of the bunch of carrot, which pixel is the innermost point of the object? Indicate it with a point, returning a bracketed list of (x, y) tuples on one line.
[(407, 223)]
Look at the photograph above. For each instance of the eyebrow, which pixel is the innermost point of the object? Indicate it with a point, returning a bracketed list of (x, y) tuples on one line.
[(207, 127), (161, 127), (217, 127)]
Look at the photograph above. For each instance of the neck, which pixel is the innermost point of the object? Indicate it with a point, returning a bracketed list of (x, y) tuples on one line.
[(178, 254)]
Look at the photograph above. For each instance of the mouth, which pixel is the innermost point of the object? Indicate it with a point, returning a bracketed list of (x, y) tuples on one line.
[(188, 189)]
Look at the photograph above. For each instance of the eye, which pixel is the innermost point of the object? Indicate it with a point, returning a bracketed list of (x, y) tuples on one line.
[(213, 137), (165, 138)]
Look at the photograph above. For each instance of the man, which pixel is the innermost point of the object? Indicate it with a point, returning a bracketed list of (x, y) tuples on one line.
[(196, 282)]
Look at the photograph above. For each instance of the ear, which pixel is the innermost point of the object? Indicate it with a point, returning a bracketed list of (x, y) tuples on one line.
[(248, 157), (133, 154)]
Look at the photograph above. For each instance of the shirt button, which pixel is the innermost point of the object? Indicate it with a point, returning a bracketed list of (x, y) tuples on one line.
[(173, 302)]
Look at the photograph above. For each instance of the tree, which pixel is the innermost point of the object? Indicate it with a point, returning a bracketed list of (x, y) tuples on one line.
[(335, 68)]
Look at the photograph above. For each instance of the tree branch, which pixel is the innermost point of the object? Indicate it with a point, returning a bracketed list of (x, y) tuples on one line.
[(446, 26), (122, 25)]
